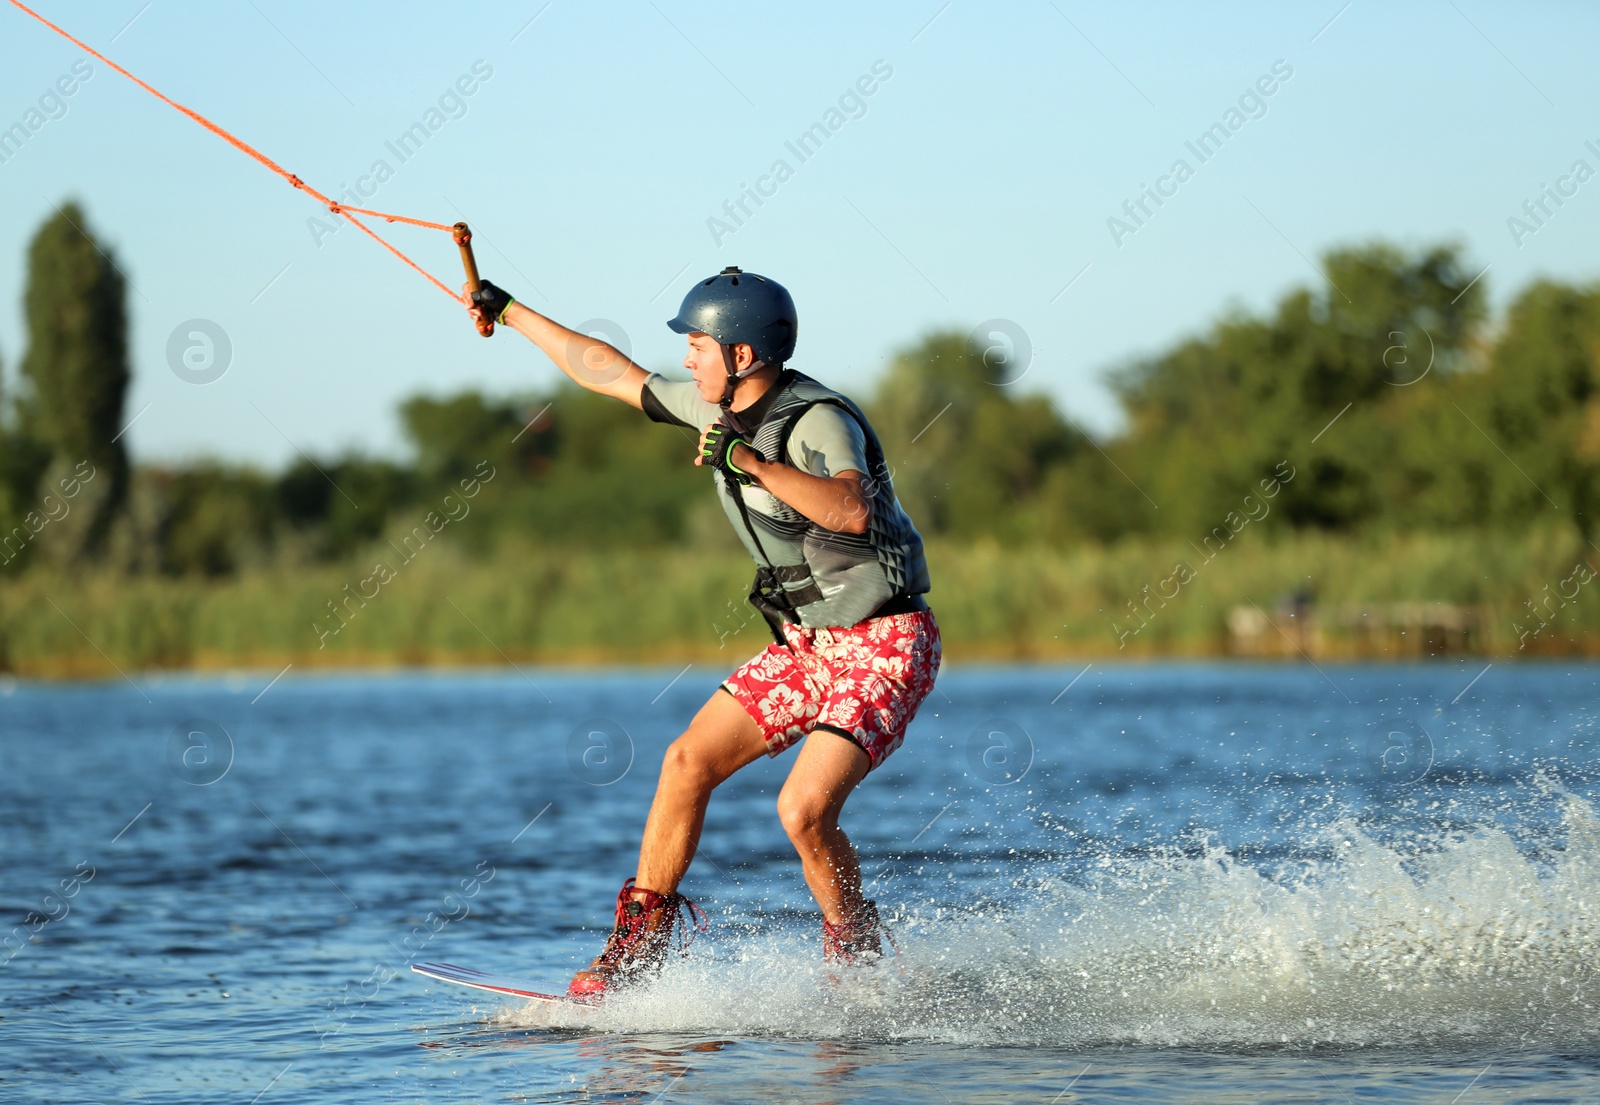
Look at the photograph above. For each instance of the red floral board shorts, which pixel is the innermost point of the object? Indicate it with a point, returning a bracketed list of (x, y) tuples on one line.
[(866, 680)]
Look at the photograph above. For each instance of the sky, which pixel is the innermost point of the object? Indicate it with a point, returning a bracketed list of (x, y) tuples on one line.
[(976, 181)]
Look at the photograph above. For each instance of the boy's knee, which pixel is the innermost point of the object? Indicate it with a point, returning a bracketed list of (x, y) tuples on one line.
[(686, 762), (681, 761), (802, 815)]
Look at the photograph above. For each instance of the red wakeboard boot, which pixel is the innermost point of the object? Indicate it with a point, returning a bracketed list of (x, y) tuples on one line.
[(638, 944), (856, 942)]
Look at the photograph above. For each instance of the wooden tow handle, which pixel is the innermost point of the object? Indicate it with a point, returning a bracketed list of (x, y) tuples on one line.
[(463, 236)]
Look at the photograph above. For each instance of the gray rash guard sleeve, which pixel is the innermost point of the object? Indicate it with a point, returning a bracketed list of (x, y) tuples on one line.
[(677, 402), (826, 440)]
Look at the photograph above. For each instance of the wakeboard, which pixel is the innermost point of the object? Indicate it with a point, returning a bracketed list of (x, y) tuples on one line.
[(495, 984)]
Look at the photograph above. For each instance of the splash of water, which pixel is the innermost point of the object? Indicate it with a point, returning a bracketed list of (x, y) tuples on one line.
[(1458, 938)]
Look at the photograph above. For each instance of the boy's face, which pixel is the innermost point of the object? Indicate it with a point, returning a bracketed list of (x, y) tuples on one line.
[(704, 362)]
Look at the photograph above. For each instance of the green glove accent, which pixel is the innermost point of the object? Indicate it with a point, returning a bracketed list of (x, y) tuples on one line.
[(718, 453), (492, 301)]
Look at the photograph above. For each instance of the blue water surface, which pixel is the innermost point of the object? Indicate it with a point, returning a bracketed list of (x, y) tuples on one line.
[(1159, 883)]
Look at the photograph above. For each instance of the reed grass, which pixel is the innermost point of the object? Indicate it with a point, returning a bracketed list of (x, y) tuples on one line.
[(547, 604)]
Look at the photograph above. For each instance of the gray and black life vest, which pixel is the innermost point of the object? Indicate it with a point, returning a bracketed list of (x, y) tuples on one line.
[(808, 574)]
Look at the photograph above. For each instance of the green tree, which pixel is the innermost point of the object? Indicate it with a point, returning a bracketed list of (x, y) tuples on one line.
[(453, 435), (612, 476), (569, 466), (970, 455), (1209, 419), (337, 506), (76, 370), (202, 518), (1541, 404)]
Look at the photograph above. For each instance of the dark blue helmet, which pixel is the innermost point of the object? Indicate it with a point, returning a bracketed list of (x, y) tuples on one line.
[(736, 307)]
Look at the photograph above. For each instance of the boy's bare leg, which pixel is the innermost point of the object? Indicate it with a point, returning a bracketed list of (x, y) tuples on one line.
[(720, 740), (827, 770)]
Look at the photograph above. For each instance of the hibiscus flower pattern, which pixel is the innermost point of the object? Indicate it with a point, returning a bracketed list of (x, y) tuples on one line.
[(867, 680), (783, 704)]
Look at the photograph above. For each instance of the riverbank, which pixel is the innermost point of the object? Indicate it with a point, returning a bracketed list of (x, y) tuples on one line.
[(1403, 597)]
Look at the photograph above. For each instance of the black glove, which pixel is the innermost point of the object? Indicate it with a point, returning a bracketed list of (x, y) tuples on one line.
[(718, 453), (492, 301)]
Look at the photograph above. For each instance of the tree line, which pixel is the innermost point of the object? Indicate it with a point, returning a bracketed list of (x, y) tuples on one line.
[(1398, 404)]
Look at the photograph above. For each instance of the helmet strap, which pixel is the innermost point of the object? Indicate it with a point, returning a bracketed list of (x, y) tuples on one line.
[(731, 366)]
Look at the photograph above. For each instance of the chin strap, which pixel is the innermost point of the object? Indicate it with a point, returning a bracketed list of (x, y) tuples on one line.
[(734, 375), (732, 385)]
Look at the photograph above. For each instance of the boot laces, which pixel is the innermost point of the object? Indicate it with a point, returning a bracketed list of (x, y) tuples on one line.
[(850, 942), (630, 923)]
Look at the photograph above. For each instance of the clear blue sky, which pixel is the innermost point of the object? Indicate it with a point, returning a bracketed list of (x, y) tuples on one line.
[(977, 184)]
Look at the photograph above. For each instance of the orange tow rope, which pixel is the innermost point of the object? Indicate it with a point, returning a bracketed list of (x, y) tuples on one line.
[(244, 147)]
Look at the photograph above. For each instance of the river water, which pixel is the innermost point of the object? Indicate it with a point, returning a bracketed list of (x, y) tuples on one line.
[(1195, 883)]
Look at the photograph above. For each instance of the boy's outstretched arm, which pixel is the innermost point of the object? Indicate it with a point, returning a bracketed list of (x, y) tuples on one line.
[(589, 362)]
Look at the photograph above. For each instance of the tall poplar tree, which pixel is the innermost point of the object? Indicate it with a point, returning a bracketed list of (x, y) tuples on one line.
[(76, 373)]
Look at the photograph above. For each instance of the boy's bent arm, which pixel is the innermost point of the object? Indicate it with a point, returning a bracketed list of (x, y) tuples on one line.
[(838, 502)]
